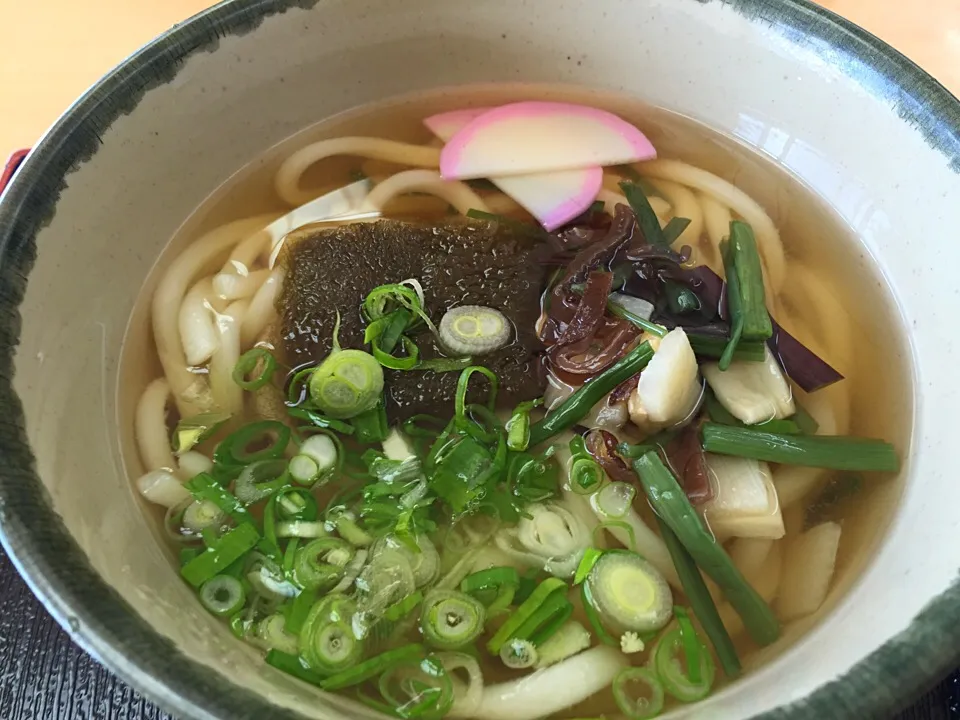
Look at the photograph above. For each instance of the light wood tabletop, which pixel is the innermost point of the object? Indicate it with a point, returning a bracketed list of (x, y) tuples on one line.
[(47, 62)]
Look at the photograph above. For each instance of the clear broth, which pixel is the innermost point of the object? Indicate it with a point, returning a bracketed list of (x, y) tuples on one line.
[(878, 382)]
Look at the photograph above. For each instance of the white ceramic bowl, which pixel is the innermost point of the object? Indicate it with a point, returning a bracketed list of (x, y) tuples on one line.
[(92, 207)]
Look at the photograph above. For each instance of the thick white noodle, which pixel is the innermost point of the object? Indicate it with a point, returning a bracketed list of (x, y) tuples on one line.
[(187, 387), (198, 332), (454, 192), (247, 254), (768, 238), (237, 286), (287, 181), (548, 691), (150, 427), (227, 395), (261, 311)]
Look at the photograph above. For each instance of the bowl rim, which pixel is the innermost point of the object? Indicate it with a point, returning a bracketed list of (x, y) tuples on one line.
[(96, 616)]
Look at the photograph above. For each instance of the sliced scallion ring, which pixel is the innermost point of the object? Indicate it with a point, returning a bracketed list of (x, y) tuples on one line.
[(638, 693), (234, 449), (304, 469), (260, 479), (372, 667), (327, 642), (321, 562), (346, 383), (252, 360), (416, 688), (222, 595), (629, 593), (451, 619), (201, 515), (519, 654), (272, 632), (192, 431), (672, 664), (474, 330), (586, 476)]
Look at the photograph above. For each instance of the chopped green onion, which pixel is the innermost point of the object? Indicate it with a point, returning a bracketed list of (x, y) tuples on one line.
[(234, 448), (638, 693), (326, 451), (417, 426), (303, 469), (833, 452), (201, 515), (519, 654), (407, 362), (450, 620), (474, 330), (593, 616), (745, 292), (292, 665), (222, 595), (321, 421), (522, 615), (371, 668), (252, 359), (610, 526), (501, 582), (460, 473), (327, 641), (700, 600), (804, 420), (401, 609), (618, 310), (674, 229), (734, 302), (670, 503), (351, 532), (576, 407), (301, 529), (346, 383), (570, 639), (692, 649), (710, 346), (586, 476), (261, 479), (300, 611), (518, 426), (192, 431), (694, 683), (271, 634), (385, 299), (320, 563), (442, 365), (371, 425), (417, 688), (647, 219), (205, 489), (746, 260), (629, 593), (587, 562), (230, 548), (460, 400)]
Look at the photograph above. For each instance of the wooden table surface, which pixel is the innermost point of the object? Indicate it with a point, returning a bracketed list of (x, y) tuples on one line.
[(45, 64)]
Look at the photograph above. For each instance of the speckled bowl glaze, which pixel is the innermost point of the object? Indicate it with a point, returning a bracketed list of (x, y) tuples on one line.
[(94, 204)]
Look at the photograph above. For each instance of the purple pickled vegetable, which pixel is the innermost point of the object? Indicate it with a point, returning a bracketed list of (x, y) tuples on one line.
[(803, 366)]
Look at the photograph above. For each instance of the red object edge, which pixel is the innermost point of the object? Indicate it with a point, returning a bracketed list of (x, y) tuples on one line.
[(11, 167)]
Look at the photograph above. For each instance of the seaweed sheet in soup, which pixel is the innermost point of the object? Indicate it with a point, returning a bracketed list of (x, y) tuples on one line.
[(459, 262)]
